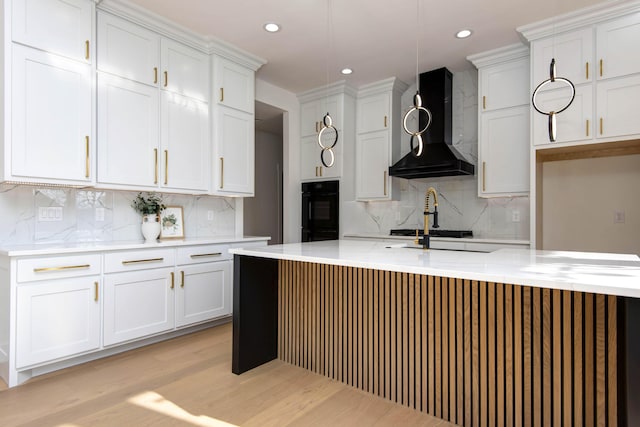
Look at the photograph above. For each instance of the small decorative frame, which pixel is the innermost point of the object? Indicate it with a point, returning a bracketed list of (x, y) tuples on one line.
[(172, 223)]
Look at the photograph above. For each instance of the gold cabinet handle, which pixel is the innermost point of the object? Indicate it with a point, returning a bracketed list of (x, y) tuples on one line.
[(182, 279), (385, 121), (601, 125), (586, 65), (86, 165), (155, 176), (86, 50), (320, 170), (62, 268), (95, 291), (206, 255), (166, 167), (142, 261), (484, 176), (155, 75), (316, 171), (166, 79), (173, 278), (601, 67), (587, 127), (385, 183), (484, 102), (221, 172), (317, 127), (221, 94)]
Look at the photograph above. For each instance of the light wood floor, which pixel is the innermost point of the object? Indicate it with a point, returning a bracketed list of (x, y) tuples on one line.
[(188, 381)]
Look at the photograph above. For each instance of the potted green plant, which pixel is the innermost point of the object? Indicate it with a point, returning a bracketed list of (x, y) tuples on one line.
[(149, 205)]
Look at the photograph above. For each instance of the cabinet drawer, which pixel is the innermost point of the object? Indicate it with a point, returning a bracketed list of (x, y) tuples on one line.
[(204, 253), (138, 260), (48, 268)]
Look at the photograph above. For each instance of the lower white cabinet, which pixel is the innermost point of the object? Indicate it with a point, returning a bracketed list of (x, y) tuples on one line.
[(204, 292), (57, 319)]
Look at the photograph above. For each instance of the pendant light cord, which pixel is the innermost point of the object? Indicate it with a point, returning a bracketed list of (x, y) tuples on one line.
[(417, 45)]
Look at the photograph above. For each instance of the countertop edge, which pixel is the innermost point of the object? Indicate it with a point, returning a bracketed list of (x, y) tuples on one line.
[(438, 239)]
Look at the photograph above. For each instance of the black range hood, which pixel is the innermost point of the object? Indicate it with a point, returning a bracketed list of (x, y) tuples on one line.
[(439, 157)]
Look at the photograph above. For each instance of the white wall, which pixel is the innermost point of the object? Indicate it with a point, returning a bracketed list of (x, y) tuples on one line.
[(288, 102), (579, 201)]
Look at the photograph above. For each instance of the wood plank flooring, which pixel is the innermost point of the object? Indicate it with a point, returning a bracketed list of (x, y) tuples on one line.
[(188, 381)]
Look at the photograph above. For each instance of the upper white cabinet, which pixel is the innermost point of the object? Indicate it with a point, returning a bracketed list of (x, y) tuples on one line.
[(234, 85), (63, 27), (184, 70), (312, 114), (615, 40), (378, 138), (573, 52), (503, 121)]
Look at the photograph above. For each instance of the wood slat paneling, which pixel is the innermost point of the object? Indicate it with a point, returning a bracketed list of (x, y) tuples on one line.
[(473, 353)]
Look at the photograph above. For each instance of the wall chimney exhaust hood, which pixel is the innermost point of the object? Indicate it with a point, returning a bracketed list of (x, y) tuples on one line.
[(439, 157)]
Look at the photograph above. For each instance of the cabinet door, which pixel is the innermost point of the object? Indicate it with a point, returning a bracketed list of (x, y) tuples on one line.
[(57, 319), (185, 142), (128, 135), (573, 124), (203, 293), (234, 86), (504, 85), (372, 177), (58, 26), (617, 47), (235, 152), (128, 50), (373, 113), (617, 107), (184, 70), (573, 52), (51, 117), (138, 304), (504, 152), (312, 113), (311, 167)]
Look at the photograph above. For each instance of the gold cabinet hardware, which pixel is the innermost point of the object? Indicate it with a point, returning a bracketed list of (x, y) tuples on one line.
[(86, 165), (316, 171), (317, 127), (182, 279), (206, 255), (95, 291), (385, 121), (320, 167), (601, 120), (64, 267), (155, 75), (155, 176), (601, 67), (141, 261), (587, 127), (221, 94), (86, 50), (484, 176), (173, 278), (166, 167), (166, 79), (586, 66), (385, 183), (221, 172), (484, 102)]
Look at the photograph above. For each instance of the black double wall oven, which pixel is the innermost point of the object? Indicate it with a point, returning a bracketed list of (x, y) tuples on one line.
[(320, 210)]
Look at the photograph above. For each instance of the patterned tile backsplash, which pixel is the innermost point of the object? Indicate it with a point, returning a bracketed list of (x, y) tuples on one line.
[(58, 215)]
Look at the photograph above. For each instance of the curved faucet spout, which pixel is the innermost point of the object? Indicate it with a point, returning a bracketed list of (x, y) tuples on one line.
[(430, 192)]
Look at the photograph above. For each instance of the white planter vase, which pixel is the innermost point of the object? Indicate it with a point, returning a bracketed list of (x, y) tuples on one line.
[(150, 228)]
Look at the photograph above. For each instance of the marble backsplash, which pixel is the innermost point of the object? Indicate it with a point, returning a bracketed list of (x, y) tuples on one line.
[(459, 208), (99, 216)]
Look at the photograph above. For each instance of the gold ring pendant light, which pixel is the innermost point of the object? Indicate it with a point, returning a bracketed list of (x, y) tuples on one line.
[(327, 122), (417, 101)]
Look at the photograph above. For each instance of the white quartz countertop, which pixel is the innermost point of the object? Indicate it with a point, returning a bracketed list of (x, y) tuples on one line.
[(438, 239), (612, 274), (67, 248)]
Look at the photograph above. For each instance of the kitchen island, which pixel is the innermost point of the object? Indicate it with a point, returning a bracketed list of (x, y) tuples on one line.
[(504, 338)]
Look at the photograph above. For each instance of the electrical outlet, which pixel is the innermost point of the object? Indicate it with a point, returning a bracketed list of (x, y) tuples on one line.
[(209, 215), (50, 214), (515, 215), (618, 217)]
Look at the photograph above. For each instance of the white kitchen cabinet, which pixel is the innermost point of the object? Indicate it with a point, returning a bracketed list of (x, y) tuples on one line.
[(311, 167), (616, 45), (184, 70), (51, 119), (234, 156), (378, 139), (503, 121), (312, 114), (234, 85), (618, 103), (574, 124), (205, 287), (63, 27)]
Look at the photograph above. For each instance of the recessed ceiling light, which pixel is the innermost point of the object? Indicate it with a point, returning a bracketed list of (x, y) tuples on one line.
[(463, 34), (272, 27), (346, 71)]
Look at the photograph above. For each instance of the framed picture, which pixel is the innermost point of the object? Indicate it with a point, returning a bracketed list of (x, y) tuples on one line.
[(172, 223)]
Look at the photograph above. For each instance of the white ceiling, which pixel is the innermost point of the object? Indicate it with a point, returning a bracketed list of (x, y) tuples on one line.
[(377, 38)]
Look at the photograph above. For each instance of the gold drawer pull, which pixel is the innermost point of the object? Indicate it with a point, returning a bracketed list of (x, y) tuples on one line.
[(66, 267), (155, 153), (601, 67), (166, 79), (484, 102), (95, 290), (155, 75), (166, 167), (484, 176), (385, 183), (182, 279), (173, 277), (601, 120), (87, 160), (221, 172), (221, 94), (587, 127), (206, 255), (385, 121), (86, 50), (141, 261), (587, 69)]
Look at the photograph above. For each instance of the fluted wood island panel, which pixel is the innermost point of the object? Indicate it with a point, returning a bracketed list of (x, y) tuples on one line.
[(471, 352)]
